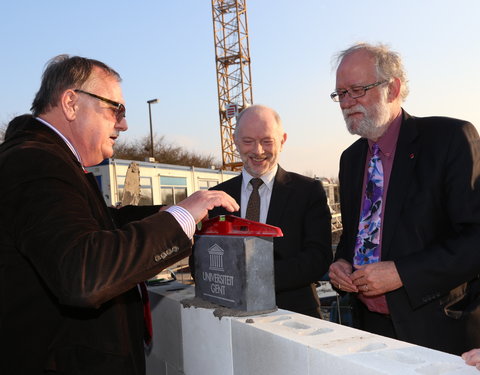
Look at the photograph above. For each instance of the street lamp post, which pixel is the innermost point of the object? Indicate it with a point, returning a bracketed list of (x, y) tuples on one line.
[(150, 102)]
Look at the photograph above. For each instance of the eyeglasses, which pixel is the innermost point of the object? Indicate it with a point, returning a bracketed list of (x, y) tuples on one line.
[(119, 107), (355, 91)]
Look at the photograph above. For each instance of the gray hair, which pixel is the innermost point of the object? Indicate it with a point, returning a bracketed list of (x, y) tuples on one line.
[(388, 63), (62, 73)]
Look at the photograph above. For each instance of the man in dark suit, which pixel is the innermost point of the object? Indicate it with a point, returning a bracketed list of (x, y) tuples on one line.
[(70, 266), (410, 201), (295, 203)]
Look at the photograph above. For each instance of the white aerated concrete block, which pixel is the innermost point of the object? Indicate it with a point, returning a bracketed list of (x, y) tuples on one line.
[(173, 371), (281, 343), (257, 351), (335, 349), (166, 352), (207, 345)]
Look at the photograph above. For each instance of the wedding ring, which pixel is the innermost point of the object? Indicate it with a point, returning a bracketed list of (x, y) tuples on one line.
[(366, 287)]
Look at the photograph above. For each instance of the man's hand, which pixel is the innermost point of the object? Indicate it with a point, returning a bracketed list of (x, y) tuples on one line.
[(472, 358), (376, 278), (340, 276), (201, 201)]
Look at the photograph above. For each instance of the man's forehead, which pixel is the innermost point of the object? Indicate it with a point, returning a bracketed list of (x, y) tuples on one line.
[(100, 77), (105, 84), (356, 68), (360, 59)]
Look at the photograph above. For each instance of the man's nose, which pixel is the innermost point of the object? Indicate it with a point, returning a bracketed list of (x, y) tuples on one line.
[(122, 125), (347, 102), (258, 148)]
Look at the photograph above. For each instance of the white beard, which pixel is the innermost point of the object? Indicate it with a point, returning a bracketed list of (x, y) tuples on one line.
[(374, 123)]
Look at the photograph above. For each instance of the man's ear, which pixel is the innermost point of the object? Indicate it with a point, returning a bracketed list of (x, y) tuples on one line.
[(68, 103), (283, 140), (394, 89)]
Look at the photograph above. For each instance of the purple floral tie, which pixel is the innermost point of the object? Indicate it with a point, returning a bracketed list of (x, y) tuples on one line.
[(368, 238)]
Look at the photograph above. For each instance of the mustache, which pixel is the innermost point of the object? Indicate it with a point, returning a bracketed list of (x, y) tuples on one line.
[(358, 108), (254, 155)]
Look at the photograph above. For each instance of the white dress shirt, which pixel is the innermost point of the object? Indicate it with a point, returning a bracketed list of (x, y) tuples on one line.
[(265, 192)]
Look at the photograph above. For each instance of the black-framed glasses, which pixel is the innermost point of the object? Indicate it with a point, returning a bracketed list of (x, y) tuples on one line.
[(119, 107), (355, 91)]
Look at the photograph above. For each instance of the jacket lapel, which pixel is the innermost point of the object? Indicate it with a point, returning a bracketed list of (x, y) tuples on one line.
[(236, 192), (280, 195), (352, 184), (406, 155), (358, 180)]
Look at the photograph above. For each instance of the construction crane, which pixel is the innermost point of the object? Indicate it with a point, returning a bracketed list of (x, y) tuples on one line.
[(232, 57)]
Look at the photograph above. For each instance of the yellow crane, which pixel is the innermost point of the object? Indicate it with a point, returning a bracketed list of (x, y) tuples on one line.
[(232, 58)]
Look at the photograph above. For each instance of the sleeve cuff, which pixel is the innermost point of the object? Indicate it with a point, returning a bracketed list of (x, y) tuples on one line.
[(184, 218)]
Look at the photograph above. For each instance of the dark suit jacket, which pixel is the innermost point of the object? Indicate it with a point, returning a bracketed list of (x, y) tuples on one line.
[(68, 274), (298, 206), (431, 229)]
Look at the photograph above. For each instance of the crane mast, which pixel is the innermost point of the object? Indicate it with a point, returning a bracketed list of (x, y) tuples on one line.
[(232, 57)]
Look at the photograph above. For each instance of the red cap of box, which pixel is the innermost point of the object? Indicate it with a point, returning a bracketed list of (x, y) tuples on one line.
[(230, 225)]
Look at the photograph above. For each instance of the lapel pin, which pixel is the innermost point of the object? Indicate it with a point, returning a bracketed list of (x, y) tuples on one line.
[(412, 156)]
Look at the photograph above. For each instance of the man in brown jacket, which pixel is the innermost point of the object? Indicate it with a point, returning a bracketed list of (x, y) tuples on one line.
[(70, 266)]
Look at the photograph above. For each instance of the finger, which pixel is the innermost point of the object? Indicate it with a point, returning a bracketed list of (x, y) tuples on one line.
[(358, 280), (225, 200), (346, 285), (359, 273), (468, 359), (360, 270), (229, 204), (340, 269), (339, 274), (342, 279), (349, 289)]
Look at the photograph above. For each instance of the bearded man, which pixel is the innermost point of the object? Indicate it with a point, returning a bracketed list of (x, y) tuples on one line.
[(410, 201)]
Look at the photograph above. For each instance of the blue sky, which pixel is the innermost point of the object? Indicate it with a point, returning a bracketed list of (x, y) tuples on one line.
[(164, 49)]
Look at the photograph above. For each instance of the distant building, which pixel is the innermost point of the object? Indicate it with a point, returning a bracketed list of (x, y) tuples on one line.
[(159, 183), (168, 184)]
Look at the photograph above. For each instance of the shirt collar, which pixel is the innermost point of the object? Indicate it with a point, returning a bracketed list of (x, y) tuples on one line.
[(70, 146), (268, 178)]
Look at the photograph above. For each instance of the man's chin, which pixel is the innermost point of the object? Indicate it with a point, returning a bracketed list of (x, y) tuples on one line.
[(352, 129), (256, 172)]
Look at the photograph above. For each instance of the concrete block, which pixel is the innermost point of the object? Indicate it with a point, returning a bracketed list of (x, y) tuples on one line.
[(173, 371), (281, 343), (261, 352), (167, 343), (155, 365), (207, 345), (336, 349)]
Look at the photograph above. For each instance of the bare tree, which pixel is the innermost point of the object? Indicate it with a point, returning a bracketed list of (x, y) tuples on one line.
[(164, 152), (3, 127)]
